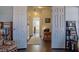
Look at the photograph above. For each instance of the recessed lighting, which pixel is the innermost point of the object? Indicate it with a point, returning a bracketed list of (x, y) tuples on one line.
[(40, 7), (35, 13)]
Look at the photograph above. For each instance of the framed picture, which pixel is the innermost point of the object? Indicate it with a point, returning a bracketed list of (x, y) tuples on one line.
[(47, 20)]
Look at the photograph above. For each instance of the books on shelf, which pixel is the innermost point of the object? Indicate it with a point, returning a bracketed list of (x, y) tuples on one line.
[(70, 23), (71, 36)]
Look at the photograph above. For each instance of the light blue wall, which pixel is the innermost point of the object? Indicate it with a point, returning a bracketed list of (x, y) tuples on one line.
[(71, 13), (5, 13)]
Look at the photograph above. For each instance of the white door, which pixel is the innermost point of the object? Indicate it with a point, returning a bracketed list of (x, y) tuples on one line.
[(58, 27), (19, 26)]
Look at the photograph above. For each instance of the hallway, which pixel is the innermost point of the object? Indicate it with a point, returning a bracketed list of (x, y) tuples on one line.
[(37, 20), (34, 40), (45, 46), (36, 44)]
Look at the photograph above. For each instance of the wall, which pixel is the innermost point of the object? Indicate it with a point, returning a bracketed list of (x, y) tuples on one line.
[(42, 13), (6, 13), (71, 13)]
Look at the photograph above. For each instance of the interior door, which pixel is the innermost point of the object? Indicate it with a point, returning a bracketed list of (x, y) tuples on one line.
[(20, 26), (58, 27)]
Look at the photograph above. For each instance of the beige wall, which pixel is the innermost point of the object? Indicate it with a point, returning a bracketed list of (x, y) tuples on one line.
[(43, 13)]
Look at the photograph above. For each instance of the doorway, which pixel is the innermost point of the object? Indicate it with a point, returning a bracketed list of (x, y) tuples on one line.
[(36, 26), (39, 22), (35, 39)]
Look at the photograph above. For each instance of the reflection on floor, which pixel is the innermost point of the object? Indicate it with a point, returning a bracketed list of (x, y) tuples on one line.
[(36, 44), (45, 46), (35, 40)]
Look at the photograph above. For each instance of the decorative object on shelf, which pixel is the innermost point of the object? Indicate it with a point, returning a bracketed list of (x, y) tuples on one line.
[(71, 43), (47, 20)]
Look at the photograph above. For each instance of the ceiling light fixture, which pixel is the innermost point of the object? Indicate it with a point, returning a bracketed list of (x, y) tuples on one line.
[(35, 13), (40, 7)]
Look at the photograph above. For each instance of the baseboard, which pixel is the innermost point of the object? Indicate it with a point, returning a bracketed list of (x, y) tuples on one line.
[(58, 48), (21, 49)]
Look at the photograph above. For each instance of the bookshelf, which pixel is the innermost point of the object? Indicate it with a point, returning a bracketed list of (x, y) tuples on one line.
[(6, 30), (71, 43)]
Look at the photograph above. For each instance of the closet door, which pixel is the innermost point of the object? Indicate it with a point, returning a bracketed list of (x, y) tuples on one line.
[(58, 27), (20, 26)]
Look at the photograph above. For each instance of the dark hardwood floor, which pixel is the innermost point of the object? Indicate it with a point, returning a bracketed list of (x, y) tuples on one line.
[(44, 47)]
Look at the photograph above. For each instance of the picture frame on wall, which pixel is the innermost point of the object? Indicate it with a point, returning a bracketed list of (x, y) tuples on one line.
[(47, 20)]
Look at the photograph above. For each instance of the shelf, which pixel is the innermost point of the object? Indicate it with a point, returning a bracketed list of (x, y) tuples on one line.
[(7, 30), (71, 36)]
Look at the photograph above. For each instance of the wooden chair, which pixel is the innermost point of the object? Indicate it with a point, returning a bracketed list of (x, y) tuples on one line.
[(47, 36)]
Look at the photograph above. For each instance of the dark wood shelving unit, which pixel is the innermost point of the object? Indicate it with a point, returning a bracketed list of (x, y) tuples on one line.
[(71, 42), (6, 30)]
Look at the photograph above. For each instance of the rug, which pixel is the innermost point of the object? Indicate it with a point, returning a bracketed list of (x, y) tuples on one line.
[(35, 40)]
